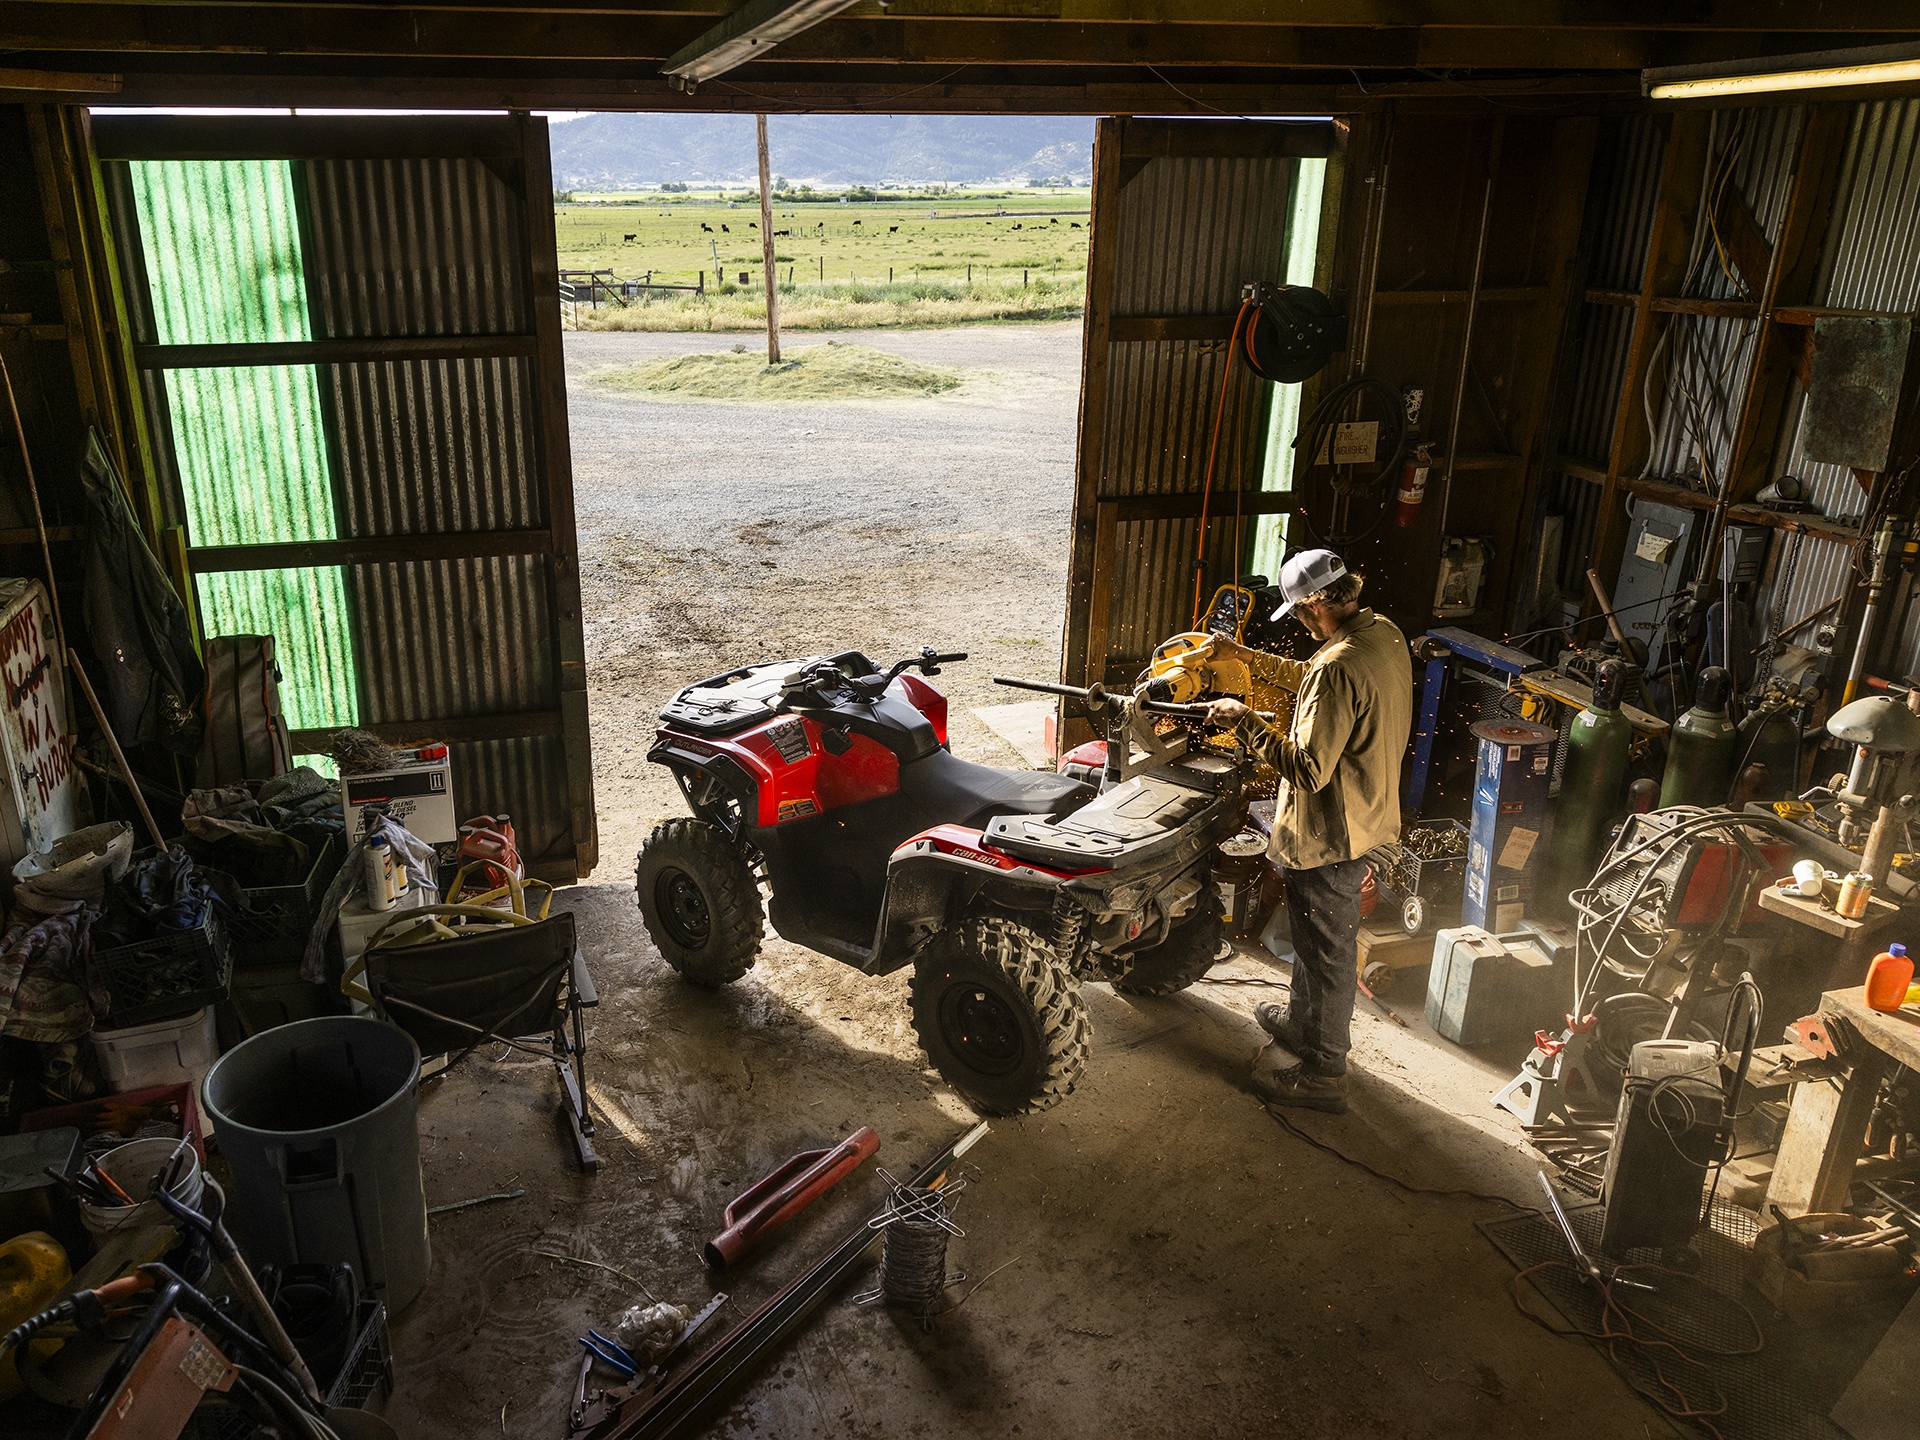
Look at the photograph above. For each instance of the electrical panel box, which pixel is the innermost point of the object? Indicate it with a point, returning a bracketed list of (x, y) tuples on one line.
[(1653, 572), (1743, 553)]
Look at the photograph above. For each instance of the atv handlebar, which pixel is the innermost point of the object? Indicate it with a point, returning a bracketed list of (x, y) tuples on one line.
[(1098, 694)]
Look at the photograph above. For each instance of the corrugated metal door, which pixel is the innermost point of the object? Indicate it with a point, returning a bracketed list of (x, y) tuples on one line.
[(1184, 214), (405, 316)]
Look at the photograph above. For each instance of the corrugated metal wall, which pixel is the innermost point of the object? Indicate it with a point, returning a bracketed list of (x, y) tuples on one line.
[(428, 247), (431, 247), (1190, 233), (1626, 173), (1870, 260)]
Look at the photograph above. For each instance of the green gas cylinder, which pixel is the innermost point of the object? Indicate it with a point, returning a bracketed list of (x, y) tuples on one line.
[(1703, 748), (1592, 782)]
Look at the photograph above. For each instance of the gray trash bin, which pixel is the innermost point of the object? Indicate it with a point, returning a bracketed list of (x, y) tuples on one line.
[(318, 1123)]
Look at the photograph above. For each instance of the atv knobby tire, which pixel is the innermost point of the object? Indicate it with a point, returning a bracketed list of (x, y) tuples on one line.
[(1178, 961), (699, 901), (1000, 1017)]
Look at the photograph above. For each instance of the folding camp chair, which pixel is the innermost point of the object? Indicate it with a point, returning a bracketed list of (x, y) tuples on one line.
[(456, 977)]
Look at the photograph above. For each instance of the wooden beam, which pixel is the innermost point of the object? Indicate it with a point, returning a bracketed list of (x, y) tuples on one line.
[(370, 550), (466, 729), (1683, 163), (1084, 648), (303, 137), (1142, 139), (1781, 17), (358, 350), (1791, 276), (69, 81), (746, 34), (556, 470)]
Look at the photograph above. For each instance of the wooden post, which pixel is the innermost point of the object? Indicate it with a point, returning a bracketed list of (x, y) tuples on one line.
[(766, 244)]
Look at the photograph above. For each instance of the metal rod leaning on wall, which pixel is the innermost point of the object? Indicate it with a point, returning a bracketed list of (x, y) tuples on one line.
[(113, 744), (690, 1397)]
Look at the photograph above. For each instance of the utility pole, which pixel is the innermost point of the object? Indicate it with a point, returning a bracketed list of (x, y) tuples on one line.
[(766, 245)]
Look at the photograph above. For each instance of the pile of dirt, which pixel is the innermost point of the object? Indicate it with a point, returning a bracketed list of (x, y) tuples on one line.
[(820, 372)]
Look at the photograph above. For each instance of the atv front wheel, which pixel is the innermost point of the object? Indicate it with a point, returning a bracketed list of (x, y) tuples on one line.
[(699, 901), (1178, 961), (1000, 1017)]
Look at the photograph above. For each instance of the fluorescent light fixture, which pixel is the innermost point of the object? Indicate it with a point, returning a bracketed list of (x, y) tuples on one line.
[(747, 34), (1823, 70)]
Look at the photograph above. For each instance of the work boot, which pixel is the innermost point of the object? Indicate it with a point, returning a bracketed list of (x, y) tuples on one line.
[(1276, 1022), (1298, 1087)]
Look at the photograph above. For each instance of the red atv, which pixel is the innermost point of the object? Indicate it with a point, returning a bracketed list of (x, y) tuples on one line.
[(829, 782)]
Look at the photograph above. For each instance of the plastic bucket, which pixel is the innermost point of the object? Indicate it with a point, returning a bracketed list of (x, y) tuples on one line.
[(134, 1168), (318, 1121)]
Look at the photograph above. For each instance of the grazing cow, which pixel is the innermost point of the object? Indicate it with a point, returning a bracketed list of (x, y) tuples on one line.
[(706, 227), (753, 224), (1016, 227), (725, 231), (856, 222), (1054, 221), (893, 229), (629, 237), (1073, 225)]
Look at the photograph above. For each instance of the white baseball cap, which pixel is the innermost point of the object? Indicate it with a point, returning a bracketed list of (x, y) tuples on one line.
[(1307, 573)]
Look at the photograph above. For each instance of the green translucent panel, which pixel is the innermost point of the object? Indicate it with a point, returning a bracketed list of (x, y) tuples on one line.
[(297, 608), (222, 247), (252, 463), (1283, 422)]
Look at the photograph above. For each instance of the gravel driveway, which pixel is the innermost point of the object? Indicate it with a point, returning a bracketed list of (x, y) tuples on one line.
[(715, 533)]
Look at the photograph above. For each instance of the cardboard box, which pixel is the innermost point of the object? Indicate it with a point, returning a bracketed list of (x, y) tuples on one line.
[(419, 794)]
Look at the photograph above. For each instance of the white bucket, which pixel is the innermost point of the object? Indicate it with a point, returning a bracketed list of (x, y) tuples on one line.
[(133, 1167)]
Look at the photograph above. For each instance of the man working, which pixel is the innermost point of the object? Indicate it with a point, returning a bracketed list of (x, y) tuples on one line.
[(1339, 765)]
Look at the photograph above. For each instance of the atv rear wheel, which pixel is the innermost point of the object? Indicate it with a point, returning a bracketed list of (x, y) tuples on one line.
[(698, 898), (1000, 1017), (1178, 961)]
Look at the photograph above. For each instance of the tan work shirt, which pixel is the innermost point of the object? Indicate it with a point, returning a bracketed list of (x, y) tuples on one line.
[(1339, 761)]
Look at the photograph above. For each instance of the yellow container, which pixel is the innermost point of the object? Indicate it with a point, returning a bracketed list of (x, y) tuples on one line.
[(33, 1268)]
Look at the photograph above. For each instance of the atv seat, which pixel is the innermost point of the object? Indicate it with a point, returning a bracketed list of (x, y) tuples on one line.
[(958, 792)]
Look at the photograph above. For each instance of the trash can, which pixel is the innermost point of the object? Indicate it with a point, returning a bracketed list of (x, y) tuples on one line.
[(318, 1121)]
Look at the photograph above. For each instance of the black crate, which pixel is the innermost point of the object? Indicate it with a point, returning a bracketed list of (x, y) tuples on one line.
[(169, 975), (272, 922), (366, 1375)]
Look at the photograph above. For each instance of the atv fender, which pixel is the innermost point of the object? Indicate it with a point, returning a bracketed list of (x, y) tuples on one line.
[(934, 876)]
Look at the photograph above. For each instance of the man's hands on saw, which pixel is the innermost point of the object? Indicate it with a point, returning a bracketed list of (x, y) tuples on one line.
[(1224, 713)]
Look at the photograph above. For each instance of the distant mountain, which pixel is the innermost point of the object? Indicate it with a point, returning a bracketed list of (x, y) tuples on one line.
[(616, 152)]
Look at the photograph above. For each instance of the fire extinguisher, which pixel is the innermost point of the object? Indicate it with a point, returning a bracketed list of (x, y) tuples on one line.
[(1413, 486)]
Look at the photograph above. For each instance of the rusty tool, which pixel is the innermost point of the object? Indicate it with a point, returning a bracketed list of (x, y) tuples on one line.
[(772, 1201)]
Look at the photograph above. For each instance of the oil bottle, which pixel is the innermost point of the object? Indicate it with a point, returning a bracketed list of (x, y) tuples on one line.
[(1703, 748), (1592, 782)]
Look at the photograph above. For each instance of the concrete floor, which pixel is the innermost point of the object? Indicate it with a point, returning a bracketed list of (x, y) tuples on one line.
[(1155, 1255), (1157, 1252)]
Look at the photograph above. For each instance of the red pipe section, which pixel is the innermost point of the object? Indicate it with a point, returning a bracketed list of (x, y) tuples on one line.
[(771, 1202)]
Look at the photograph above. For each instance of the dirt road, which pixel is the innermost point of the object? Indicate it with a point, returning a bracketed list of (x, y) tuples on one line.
[(715, 534)]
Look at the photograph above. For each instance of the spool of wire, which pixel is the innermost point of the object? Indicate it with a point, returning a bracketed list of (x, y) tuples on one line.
[(913, 1257)]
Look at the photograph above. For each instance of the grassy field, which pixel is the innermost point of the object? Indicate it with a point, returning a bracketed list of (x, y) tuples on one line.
[(1002, 255), (816, 372)]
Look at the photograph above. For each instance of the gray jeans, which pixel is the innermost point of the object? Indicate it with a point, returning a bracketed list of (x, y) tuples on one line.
[(1323, 909)]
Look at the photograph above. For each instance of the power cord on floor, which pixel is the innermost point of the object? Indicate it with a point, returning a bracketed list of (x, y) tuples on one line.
[(1407, 1185), (1621, 1326)]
